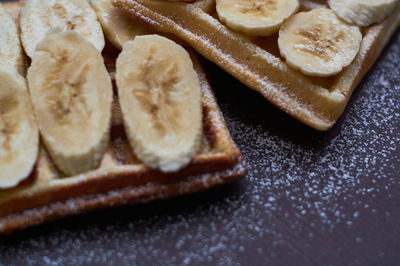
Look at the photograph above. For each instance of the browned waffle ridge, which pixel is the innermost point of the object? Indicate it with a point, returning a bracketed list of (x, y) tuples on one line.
[(317, 102), (121, 178)]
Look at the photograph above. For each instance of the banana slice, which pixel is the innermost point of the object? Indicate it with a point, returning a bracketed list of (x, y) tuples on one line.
[(362, 12), (72, 98), (19, 135), (255, 17), (11, 53), (40, 16), (160, 99), (118, 26), (318, 43)]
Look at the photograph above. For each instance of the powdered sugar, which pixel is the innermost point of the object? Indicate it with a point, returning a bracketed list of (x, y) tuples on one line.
[(309, 198)]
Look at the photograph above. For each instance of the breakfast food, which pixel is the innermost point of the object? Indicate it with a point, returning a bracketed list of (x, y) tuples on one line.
[(120, 178), (363, 12), (39, 17), (257, 61), (19, 138), (318, 43), (156, 82), (255, 17), (11, 53), (72, 96), (117, 25)]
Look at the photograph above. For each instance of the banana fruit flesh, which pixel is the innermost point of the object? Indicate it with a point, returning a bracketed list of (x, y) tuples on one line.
[(19, 135), (72, 98), (11, 53), (255, 17), (160, 99), (118, 26), (362, 12), (318, 43), (41, 16)]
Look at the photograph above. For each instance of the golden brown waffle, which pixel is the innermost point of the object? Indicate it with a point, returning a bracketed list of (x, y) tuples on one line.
[(121, 178), (256, 62)]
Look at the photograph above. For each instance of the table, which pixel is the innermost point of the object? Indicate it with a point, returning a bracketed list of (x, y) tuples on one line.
[(310, 198)]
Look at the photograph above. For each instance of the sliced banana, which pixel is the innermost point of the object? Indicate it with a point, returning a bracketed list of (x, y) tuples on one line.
[(72, 98), (40, 16), (255, 17), (11, 53), (160, 99), (362, 12), (118, 26), (318, 43), (19, 135)]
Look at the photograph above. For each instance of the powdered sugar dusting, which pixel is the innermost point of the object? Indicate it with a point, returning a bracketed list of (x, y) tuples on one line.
[(309, 198)]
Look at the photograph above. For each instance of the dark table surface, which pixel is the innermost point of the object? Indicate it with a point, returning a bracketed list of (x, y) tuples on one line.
[(310, 198)]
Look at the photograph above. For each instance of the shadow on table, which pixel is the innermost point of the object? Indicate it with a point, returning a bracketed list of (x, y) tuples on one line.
[(251, 109)]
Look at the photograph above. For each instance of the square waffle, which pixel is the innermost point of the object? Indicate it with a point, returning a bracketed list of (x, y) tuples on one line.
[(121, 178), (256, 61)]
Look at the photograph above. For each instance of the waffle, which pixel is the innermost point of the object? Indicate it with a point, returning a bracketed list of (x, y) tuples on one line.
[(121, 178), (256, 61)]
